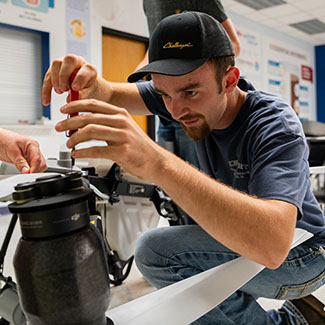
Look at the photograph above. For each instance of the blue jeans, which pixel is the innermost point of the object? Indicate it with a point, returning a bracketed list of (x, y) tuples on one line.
[(167, 255)]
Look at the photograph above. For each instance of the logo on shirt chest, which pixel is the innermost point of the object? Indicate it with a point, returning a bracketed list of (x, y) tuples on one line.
[(238, 169)]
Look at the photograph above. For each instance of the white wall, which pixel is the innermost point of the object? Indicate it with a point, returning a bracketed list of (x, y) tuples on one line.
[(52, 22), (123, 15), (266, 35)]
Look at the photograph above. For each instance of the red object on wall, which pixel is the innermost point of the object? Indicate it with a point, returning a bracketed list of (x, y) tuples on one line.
[(306, 73), (33, 2)]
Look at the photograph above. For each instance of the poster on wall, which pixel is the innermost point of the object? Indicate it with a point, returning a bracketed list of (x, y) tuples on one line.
[(25, 13), (78, 27), (289, 75), (38, 5), (249, 60)]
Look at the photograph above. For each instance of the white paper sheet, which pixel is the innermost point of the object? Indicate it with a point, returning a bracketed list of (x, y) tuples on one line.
[(187, 300)]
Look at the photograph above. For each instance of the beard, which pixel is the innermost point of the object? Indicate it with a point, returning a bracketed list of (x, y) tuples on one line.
[(196, 132)]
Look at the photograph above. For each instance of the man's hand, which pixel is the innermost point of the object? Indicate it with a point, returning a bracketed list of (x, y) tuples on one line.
[(59, 74), (127, 144), (21, 151)]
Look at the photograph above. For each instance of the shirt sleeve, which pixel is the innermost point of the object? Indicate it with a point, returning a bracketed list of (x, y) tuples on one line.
[(152, 100), (213, 8), (156, 10), (279, 167)]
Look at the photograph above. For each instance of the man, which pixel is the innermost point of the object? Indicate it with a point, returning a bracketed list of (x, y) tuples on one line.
[(255, 187), (155, 11), (21, 151)]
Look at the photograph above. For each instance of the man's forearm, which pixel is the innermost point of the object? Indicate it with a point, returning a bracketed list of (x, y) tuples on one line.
[(261, 230)]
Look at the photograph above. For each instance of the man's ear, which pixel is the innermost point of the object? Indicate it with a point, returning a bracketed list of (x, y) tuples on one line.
[(232, 77)]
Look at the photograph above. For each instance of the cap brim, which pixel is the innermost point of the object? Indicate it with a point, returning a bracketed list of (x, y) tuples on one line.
[(170, 67)]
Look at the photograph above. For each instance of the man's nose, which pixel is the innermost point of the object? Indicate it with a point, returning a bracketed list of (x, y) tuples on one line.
[(176, 109)]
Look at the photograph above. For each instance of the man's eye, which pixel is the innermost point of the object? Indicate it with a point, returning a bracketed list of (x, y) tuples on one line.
[(190, 93)]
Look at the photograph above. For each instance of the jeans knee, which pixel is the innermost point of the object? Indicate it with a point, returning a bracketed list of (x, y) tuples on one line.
[(144, 250)]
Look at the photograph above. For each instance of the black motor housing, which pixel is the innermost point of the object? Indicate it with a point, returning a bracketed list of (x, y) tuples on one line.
[(60, 261)]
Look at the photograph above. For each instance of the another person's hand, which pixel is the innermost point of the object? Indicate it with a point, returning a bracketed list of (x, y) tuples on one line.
[(21, 151), (58, 77)]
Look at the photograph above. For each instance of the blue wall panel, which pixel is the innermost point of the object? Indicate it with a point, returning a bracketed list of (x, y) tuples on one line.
[(320, 82)]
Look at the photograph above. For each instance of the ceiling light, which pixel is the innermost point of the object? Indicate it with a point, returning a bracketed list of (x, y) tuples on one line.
[(261, 4), (313, 26)]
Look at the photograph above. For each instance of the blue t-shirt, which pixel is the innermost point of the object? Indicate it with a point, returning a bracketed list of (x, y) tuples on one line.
[(262, 153)]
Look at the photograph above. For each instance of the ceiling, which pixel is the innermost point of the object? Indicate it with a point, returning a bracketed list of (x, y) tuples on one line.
[(301, 19)]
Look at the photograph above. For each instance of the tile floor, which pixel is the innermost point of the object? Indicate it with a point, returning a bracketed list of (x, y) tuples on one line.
[(133, 287)]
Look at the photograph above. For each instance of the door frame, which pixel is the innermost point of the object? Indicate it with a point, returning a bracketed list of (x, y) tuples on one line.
[(151, 125)]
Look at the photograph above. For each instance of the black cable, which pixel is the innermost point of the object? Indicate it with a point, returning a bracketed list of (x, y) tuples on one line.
[(6, 241)]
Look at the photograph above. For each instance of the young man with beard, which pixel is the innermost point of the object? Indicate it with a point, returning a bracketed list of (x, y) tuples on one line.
[(155, 11), (254, 189)]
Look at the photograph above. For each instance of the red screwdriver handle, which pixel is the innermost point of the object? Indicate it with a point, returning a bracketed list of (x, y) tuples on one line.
[(74, 95)]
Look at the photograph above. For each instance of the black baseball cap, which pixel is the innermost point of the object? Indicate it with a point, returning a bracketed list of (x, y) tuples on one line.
[(181, 43)]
